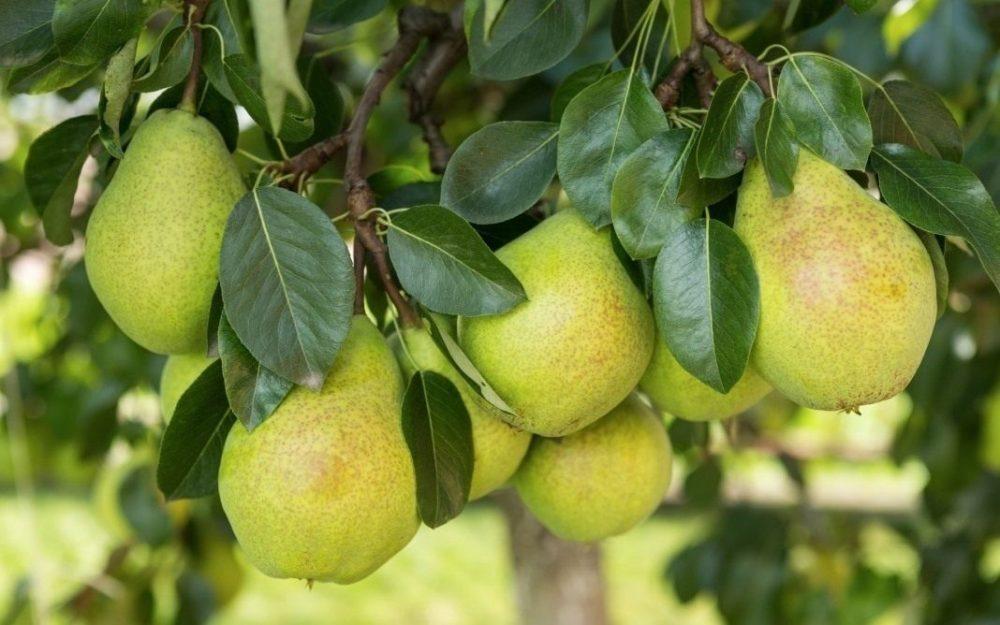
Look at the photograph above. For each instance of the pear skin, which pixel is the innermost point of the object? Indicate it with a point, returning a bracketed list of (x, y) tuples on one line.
[(178, 374), (847, 289), (324, 489), (499, 447), (679, 393), (579, 345), (602, 480), (153, 240)]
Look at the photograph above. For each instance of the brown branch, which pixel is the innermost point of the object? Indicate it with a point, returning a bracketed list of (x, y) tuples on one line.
[(196, 12), (310, 160)]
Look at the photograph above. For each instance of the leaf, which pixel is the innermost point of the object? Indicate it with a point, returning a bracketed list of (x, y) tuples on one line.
[(192, 443), (253, 390), (525, 38), (214, 319), (438, 431), (823, 101), (329, 103), (940, 270), (697, 192), (860, 6), (169, 62), (219, 42), (774, 138), (707, 302), (51, 172), (276, 51), (25, 31), (244, 80), (50, 73), (115, 96), (644, 206), (949, 49), (444, 264), (330, 15), (572, 85), (726, 140), (940, 197), (500, 171), (627, 19), (142, 509), (601, 126), (903, 112), (287, 283), (87, 32)]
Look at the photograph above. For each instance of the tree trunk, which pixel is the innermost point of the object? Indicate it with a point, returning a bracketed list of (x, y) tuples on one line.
[(558, 582)]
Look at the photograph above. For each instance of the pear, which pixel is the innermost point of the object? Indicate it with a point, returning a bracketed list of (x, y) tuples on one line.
[(602, 480), (154, 237), (325, 489), (847, 292), (679, 393), (179, 373), (579, 345), (499, 447)]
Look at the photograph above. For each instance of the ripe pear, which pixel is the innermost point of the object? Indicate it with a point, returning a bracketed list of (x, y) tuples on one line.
[(676, 391), (325, 489), (499, 447), (847, 292), (579, 345), (178, 374), (602, 480), (154, 237)]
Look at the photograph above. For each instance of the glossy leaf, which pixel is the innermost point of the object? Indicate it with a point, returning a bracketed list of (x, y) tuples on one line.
[(572, 85), (219, 42), (500, 171), (644, 206), (287, 283), (777, 149), (169, 62), (524, 37), (192, 443), (698, 192), (88, 31), (903, 112), (254, 391), (25, 31), (627, 19), (438, 432), (444, 264), (273, 25), (822, 99), (940, 197), (726, 140), (601, 126), (707, 302), (244, 80), (330, 15), (50, 73)]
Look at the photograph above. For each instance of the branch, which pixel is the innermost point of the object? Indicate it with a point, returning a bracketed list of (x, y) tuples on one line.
[(196, 12)]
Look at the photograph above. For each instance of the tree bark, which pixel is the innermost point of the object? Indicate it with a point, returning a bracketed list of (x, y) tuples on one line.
[(558, 582)]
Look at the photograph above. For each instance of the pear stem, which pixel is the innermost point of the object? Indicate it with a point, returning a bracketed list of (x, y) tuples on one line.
[(196, 12)]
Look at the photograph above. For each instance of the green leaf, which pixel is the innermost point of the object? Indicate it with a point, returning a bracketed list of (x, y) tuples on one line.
[(254, 391), (330, 15), (940, 270), (777, 149), (525, 37), (50, 73), (500, 171), (707, 301), (214, 319), (698, 192), (438, 431), (444, 264), (726, 140), (25, 31), (115, 96), (192, 443), (822, 99), (142, 509), (51, 172), (627, 19), (274, 29), (169, 62), (329, 116), (601, 126), (903, 112), (572, 85), (940, 197), (226, 42), (644, 206), (244, 80), (87, 32), (860, 6), (287, 283)]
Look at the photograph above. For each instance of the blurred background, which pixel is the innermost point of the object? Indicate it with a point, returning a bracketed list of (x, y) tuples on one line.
[(784, 515)]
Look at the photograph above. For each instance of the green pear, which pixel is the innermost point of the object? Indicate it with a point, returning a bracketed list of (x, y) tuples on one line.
[(602, 480), (676, 391), (178, 374), (154, 237), (499, 447), (325, 489), (579, 345), (847, 292)]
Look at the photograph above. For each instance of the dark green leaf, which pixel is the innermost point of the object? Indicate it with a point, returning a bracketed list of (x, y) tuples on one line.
[(50, 73), (393, 177), (807, 14), (439, 434), (227, 41), (572, 85), (192, 443), (287, 283), (214, 319), (169, 62), (774, 138), (822, 98), (116, 97), (644, 206), (330, 15), (444, 264), (253, 390), (244, 80), (903, 112), (211, 105), (702, 485), (726, 140), (500, 234), (25, 31), (707, 301), (142, 509), (99, 421), (697, 192), (601, 126), (52, 170), (940, 270), (627, 21), (524, 37), (88, 31), (860, 6), (329, 103), (940, 197), (414, 194), (500, 171)]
